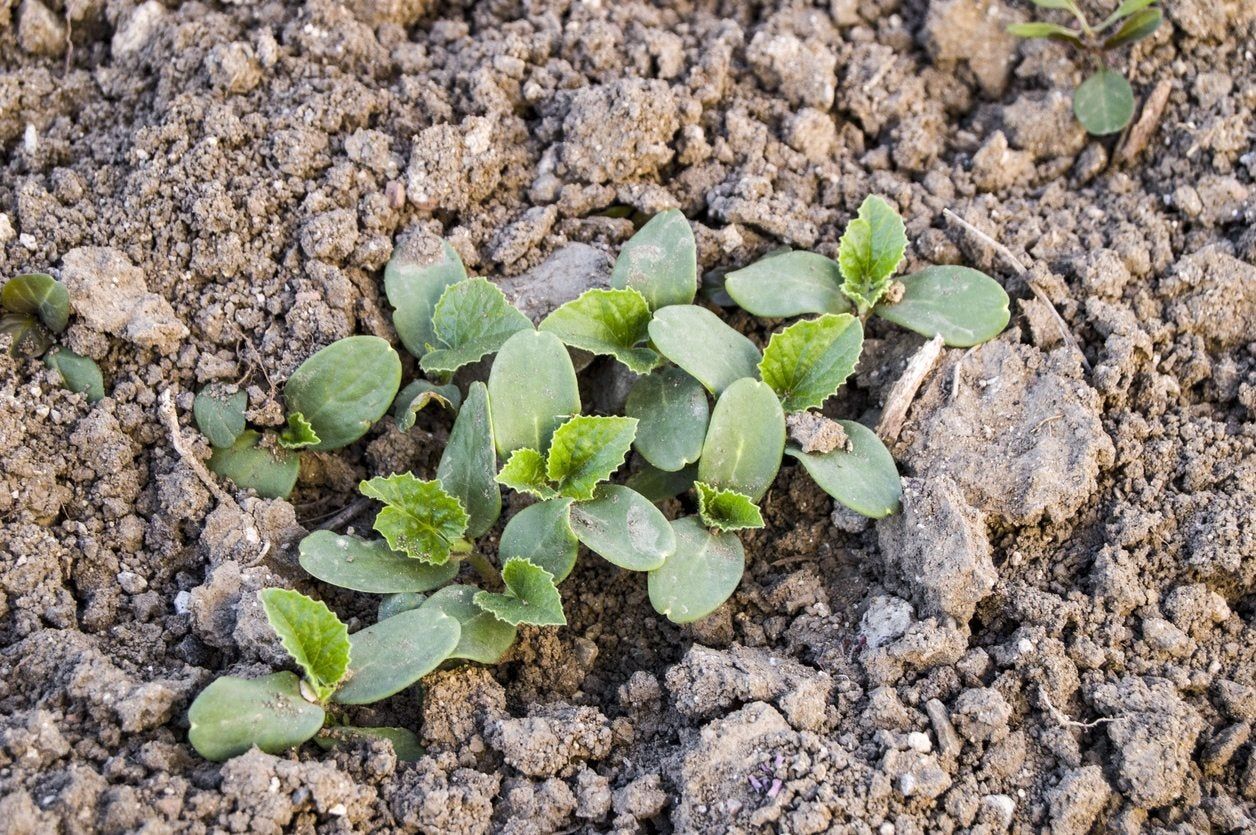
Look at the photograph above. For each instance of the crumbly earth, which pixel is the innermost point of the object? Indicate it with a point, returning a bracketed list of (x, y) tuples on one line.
[(1060, 631)]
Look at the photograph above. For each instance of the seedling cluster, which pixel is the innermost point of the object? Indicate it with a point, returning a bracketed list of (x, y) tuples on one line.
[(36, 308), (523, 429), (1104, 103)]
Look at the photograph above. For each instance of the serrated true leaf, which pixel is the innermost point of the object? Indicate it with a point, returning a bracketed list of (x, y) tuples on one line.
[(531, 596), (405, 744), (298, 434), (624, 528), (964, 306), (312, 634), (344, 388), (419, 519), (870, 251), (806, 363), (369, 565), (862, 477), (1104, 103), (660, 261), (468, 466), (586, 450), (416, 396), (532, 388), (672, 414), (393, 654), (39, 295), (745, 440), (219, 414), (726, 510), (232, 715), (471, 320), (524, 472), (610, 322), (704, 345), (483, 637), (788, 284), (413, 288), (700, 574), (78, 373), (541, 533), (271, 471)]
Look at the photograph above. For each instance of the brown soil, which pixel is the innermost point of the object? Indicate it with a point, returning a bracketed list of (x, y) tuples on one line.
[(1060, 629)]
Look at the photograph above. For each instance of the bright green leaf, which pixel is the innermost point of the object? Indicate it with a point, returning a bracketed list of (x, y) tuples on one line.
[(271, 471), (700, 575), (369, 566), (405, 744), (524, 472), (413, 290), (39, 295), (393, 654), (541, 533), (870, 251), (659, 485), (468, 466), (701, 343), (1139, 25), (610, 322), (624, 528), (966, 307), (532, 388), (863, 477), (745, 440), (586, 450), (727, 510), (28, 337), (788, 284), (806, 363), (672, 413), (531, 596), (483, 639), (344, 388), (1104, 103), (419, 517), (219, 415), (312, 634), (79, 374), (471, 320), (415, 397), (660, 261), (298, 434), (232, 715)]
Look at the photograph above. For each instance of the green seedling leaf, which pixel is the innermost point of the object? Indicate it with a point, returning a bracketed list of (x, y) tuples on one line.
[(419, 518), (966, 307), (344, 388), (660, 261), (659, 485), (1139, 25), (468, 465), (1053, 31), (1123, 11), (483, 639), (788, 284), (745, 440), (29, 338), (369, 566), (415, 397), (863, 477), (312, 634), (586, 450), (405, 744), (700, 574), (610, 322), (395, 604), (531, 596), (532, 388), (806, 363), (79, 374), (727, 510), (870, 251), (623, 528), (524, 472), (541, 533), (219, 415), (1067, 5), (472, 320), (271, 471), (393, 654), (298, 434), (701, 343), (1104, 103), (672, 413), (39, 295), (414, 289), (232, 715)]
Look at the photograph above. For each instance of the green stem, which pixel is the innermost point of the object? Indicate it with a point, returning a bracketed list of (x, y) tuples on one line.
[(488, 573)]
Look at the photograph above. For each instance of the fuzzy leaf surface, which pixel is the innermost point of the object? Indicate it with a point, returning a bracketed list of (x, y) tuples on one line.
[(870, 251), (531, 596), (369, 565), (863, 478), (788, 284), (471, 320), (483, 638), (219, 415), (79, 374), (39, 295), (232, 715), (964, 306), (806, 363), (704, 345), (419, 518), (611, 322), (524, 472), (312, 634), (532, 388), (660, 261), (344, 388), (468, 466), (744, 442), (414, 287), (700, 574), (542, 534), (726, 510), (586, 450), (672, 414), (624, 528), (393, 654), (272, 472)]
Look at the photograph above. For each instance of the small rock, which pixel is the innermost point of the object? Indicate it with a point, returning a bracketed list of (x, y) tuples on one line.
[(996, 811), (1165, 637), (1223, 746), (137, 28), (1077, 800), (949, 743), (39, 30), (813, 432), (973, 32), (558, 279), (110, 295), (981, 715), (885, 620), (802, 68)]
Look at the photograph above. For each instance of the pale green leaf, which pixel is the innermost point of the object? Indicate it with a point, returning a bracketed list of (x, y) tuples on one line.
[(415, 397), (726, 510), (1123, 11), (660, 261), (702, 344), (298, 434), (78, 373), (369, 566), (220, 415), (862, 477), (672, 413), (624, 528), (413, 290), (524, 472), (962, 305), (1054, 31), (531, 596), (39, 295), (232, 715), (610, 322), (586, 450), (870, 251), (1104, 103), (659, 485), (700, 574), (312, 634), (404, 601), (788, 284), (271, 471), (483, 638), (344, 388), (541, 533), (1139, 25), (393, 654), (468, 466), (471, 320), (745, 440), (419, 519), (532, 388), (806, 363)]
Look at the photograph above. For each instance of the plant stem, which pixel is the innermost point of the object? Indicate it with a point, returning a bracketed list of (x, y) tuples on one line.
[(488, 573)]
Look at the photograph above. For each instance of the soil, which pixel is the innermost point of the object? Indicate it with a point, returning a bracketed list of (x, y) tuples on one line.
[(1058, 632)]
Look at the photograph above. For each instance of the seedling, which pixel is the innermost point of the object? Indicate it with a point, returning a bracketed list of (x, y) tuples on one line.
[(1104, 103), (36, 309), (523, 429)]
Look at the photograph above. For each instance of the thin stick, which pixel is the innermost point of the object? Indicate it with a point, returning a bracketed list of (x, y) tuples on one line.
[(1064, 719), (1023, 273), (168, 415), (345, 515), (1140, 134), (903, 392)]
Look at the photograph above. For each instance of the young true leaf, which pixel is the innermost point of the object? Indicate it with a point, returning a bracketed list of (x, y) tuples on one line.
[(727, 510), (672, 413), (1054, 31), (659, 485), (610, 322), (369, 566), (219, 415), (344, 388), (1104, 103), (312, 634), (468, 465), (39, 295), (483, 638), (471, 320), (28, 337), (586, 450), (405, 744), (532, 388), (660, 261), (393, 654), (624, 528), (298, 434), (531, 596), (79, 374), (415, 397), (272, 472), (419, 517), (413, 290), (232, 715), (806, 363), (701, 343), (788, 284), (524, 472), (870, 251), (1138, 26), (699, 576), (966, 307), (541, 533), (745, 440), (863, 478)]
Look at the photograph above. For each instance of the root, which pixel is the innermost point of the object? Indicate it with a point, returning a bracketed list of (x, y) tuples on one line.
[(1064, 719)]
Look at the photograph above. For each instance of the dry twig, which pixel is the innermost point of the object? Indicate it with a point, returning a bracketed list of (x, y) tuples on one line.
[(1064, 719), (171, 419), (1141, 133), (903, 392)]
